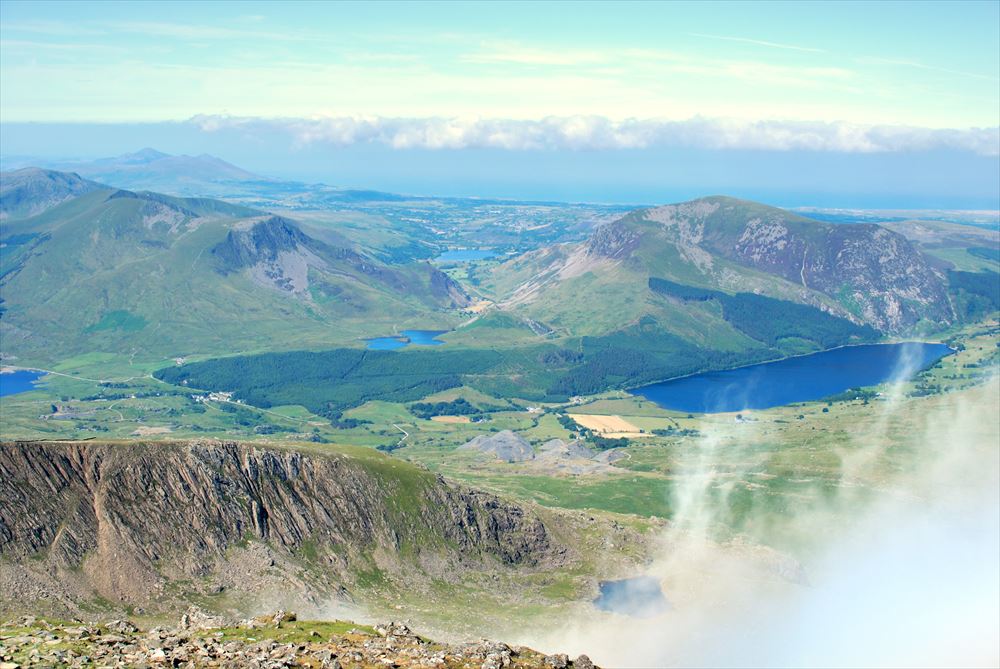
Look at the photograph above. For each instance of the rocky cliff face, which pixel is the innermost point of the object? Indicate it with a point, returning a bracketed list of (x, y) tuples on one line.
[(132, 522), (260, 242), (279, 254), (876, 274), (615, 241)]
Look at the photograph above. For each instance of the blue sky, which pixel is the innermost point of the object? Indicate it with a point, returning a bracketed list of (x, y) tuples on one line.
[(642, 86)]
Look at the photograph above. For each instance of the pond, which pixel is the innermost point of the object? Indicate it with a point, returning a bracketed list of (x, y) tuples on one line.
[(20, 381), (800, 379), (639, 597), (406, 338)]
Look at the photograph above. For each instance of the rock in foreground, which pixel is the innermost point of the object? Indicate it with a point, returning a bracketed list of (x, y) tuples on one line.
[(268, 642)]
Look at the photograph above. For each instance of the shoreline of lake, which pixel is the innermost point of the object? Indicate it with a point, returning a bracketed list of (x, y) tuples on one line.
[(658, 392), (404, 339), (23, 380)]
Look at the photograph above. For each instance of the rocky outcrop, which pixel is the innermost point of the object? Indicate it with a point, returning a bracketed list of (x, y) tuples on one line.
[(614, 240), (505, 445), (447, 290), (127, 520), (260, 242)]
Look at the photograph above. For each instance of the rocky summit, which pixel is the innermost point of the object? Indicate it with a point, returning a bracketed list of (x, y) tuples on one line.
[(267, 642)]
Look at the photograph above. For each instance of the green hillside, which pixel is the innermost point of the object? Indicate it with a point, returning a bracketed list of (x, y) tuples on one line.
[(658, 293), (148, 275), (864, 272)]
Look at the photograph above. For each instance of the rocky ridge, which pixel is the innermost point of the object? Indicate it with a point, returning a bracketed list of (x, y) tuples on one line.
[(149, 525)]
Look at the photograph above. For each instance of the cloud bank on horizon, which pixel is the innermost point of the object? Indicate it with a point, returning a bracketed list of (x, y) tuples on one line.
[(600, 133)]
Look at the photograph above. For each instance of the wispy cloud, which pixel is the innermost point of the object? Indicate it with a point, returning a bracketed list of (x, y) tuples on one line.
[(600, 133), (922, 66), (757, 42)]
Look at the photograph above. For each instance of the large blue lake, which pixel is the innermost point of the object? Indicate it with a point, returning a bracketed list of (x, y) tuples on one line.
[(799, 379), (18, 382), (405, 338)]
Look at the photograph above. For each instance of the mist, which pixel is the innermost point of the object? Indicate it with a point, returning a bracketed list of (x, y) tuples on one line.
[(901, 567)]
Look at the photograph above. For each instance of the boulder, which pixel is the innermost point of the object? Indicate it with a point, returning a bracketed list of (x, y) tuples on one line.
[(558, 661)]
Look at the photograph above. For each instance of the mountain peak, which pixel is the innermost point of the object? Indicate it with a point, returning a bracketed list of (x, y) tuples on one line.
[(32, 190), (142, 156)]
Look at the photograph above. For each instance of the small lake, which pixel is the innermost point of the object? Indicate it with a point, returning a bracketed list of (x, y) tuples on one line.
[(18, 382), (406, 338), (639, 597), (464, 255), (800, 379)]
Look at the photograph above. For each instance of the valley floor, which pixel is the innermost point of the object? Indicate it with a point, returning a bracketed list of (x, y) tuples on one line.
[(745, 481)]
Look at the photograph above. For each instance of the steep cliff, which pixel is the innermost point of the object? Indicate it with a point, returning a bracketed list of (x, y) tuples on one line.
[(138, 523)]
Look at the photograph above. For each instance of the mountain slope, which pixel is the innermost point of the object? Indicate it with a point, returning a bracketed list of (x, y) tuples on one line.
[(873, 272), (861, 272), (117, 270), (31, 191), (277, 253)]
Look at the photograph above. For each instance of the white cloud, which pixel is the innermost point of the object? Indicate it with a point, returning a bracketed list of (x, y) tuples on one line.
[(598, 132)]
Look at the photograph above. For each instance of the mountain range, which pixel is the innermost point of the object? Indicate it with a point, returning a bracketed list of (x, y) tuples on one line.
[(87, 267)]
